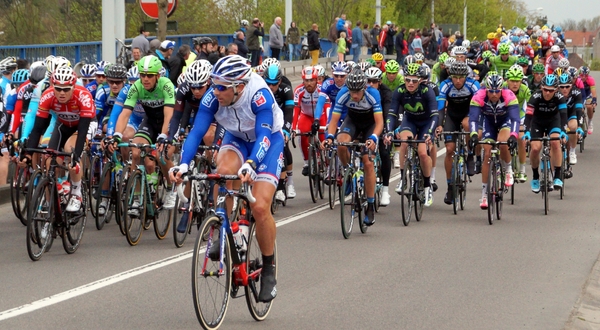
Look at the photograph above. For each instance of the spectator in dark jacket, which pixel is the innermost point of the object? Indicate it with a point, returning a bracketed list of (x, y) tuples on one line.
[(177, 62), (399, 45), (375, 38), (257, 29), (314, 44), (389, 41), (239, 41)]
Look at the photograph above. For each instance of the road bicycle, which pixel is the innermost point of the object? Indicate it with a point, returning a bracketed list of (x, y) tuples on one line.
[(546, 176), (113, 177), (47, 217), (316, 166), (218, 277), (124, 56), (458, 175), (413, 184), (496, 187)]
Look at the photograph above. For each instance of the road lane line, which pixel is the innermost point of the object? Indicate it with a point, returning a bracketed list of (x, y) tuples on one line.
[(96, 285)]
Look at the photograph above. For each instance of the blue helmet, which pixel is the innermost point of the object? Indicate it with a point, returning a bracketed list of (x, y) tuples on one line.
[(558, 29), (88, 70), (20, 76), (550, 80), (565, 79), (340, 68), (273, 74)]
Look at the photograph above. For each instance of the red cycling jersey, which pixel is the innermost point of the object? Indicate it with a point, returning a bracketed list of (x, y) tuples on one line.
[(80, 105)]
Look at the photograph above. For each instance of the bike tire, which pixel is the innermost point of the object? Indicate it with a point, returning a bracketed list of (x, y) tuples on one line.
[(407, 192), (378, 183), (134, 225), (162, 217), (491, 191), (545, 180), (312, 174), (121, 198), (74, 225), (21, 193), (34, 180), (463, 186), (258, 310), (455, 174), (37, 219), (102, 196), (332, 170), (347, 204), (500, 175), (95, 173), (563, 169), (205, 288), (419, 193), (361, 207), (321, 173)]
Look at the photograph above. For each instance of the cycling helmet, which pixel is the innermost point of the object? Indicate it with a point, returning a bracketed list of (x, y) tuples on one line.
[(48, 59), (20, 76), (372, 61), (339, 68), (565, 78), (514, 39), (374, 73), (377, 57), (57, 62), (162, 72), (8, 64), (554, 49), (408, 60), (392, 66), (441, 59), (563, 63), (493, 80), (459, 69), (475, 44), (181, 79), (320, 70), (558, 72), (449, 61), (524, 41), (534, 36), (491, 36), (273, 74), (514, 73), (198, 73), (561, 45), (503, 49), (100, 66), (419, 57), (538, 68), (133, 73), (550, 80), (37, 74), (584, 70), (544, 36), (268, 61), (260, 69), (459, 50), (486, 55), (310, 72), (412, 69), (572, 71), (64, 75), (116, 71), (202, 41), (36, 64), (466, 43), (351, 64), (364, 66), (149, 64), (554, 35), (523, 61), (88, 70), (558, 29), (425, 72), (356, 80)]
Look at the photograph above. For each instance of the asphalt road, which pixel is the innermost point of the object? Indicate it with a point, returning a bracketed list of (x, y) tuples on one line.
[(448, 271)]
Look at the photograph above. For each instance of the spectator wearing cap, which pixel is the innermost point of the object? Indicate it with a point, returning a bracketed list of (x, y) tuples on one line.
[(177, 62), (256, 30), (164, 53), (276, 38), (141, 41), (241, 44)]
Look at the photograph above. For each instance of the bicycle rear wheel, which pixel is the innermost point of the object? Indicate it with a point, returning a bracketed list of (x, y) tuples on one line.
[(104, 196), (121, 198), (258, 310), (74, 224), (39, 221), (545, 184), (162, 216), (321, 167), (34, 179), (179, 238), (455, 174), (210, 289), (407, 192), (332, 172), (313, 181), (134, 223), (347, 203), (463, 184), (419, 195), (499, 191), (95, 173), (491, 191), (21, 193), (378, 183)]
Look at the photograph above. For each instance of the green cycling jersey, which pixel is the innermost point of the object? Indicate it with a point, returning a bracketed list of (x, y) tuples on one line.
[(523, 95), (497, 64), (153, 101), (394, 84)]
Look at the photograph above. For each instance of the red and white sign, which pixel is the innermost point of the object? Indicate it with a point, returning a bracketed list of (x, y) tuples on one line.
[(150, 7)]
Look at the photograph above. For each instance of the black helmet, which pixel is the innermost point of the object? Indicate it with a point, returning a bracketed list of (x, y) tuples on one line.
[(116, 71), (37, 74), (356, 79)]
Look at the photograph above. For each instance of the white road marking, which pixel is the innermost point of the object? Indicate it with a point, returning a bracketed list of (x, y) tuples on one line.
[(93, 286)]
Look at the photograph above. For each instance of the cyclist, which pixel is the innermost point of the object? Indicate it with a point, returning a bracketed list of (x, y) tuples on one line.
[(589, 91), (379, 61), (546, 115), (361, 106), (74, 106), (322, 74), (391, 78), (116, 75), (425, 80), (157, 96), (438, 67), (374, 79), (332, 86), (417, 105), (24, 94), (503, 61), (100, 78), (241, 101), (20, 81), (499, 110), (552, 62), (535, 79), (87, 73), (453, 107), (284, 97), (514, 82), (311, 103), (574, 111)]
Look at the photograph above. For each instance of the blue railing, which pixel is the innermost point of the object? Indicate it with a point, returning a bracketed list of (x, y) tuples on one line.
[(91, 52)]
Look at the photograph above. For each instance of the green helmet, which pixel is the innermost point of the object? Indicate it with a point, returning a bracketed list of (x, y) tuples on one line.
[(514, 73), (370, 60), (413, 69), (149, 64), (538, 68), (503, 49), (487, 55), (522, 61), (392, 66), (443, 57)]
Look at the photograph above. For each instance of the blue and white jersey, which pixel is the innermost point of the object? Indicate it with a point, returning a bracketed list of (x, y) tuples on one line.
[(136, 116), (458, 99), (361, 111)]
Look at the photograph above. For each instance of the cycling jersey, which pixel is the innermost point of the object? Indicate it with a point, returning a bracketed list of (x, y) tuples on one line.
[(552, 63), (495, 116), (184, 112), (588, 84), (574, 104), (523, 95), (92, 87), (501, 66), (361, 111), (136, 116), (457, 99), (394, 84), (154, 101), (417, 107), (309, 104), (332, 90), (284, 97), (105, 100), (550, 115), (32, 111), (24, 93)]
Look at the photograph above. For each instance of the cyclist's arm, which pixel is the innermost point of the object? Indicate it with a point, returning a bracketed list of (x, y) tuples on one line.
[(531, 105), (41, 119), (322, 102), (578, 106), (288, 110), (178, 110), (441, 99), (475, 110), (204, 118), (115, 113), (82, 130), (132, 98), (169, 95), (562, 109), (100, 100), (395, 108)]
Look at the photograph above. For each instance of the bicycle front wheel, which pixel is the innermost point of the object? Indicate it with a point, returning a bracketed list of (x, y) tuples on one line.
[(419, 195), (348, 203), (162, 216), (134, 214), (407, 192), (39, 221), (95, 173), (500, 187), (332, 173), (103, 196), (74, 224), (211, 284), (491, 191), (455, 184), (321, 167), (258, 310), (313, 180)]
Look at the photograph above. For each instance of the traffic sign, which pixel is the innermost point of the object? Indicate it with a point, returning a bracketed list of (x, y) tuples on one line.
[(150, 7)]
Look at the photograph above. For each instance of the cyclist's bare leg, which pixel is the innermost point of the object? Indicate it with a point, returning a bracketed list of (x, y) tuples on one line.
[(404, 135), (485, 163), (555, 152), (535, 148), (370, 178), (450, 147), (425, 159), (343, 153), (573, 124), (503, 136)]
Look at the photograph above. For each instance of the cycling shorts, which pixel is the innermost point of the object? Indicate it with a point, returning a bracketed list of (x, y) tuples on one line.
[(134, 122), (492, 126), (452, 124), (541, 127), (357, 131), (60, 136), (417, 128), (149, 130)]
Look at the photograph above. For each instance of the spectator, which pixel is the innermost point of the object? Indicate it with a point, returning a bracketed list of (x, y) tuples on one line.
[(341, 25), (411, 37), (141, 41), (136, 55), (154, 45), (256, 30), (242, 49), (177, 62), (382, 38), (367, 43), (348, 36), (444, 45), (357, 42), (333, 35), (400, 46), (389, 40), (314, 44), (275, 38), (375, 38), (459, 39), (341, 47), (217, 53), (417, 44), (164, 52), (232, 49), (293, 41)]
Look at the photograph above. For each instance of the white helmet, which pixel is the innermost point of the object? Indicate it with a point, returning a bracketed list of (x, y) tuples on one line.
[(320, 70), (459, 50), (244, 22), (563, 63), (64, 75), (231, 69), (554, 49), (57, 62), (198, 73), (133, 73), (181, 79), (466, 43), (268, 61)]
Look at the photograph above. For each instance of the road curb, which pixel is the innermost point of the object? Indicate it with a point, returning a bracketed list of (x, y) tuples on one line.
[(586, 312)]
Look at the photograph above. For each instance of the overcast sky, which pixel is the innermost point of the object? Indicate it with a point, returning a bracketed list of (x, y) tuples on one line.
[(560, 10)]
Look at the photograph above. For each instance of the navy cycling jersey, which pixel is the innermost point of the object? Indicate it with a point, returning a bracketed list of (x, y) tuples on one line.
[(540, 109), (458, 98), (361, 111), (574, 102), (418, 106), (284, 97)]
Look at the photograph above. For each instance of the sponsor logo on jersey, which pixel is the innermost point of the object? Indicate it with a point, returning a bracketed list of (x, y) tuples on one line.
[(207, 99), (259, 99), (85, 100), (262, 167), (152, 103), (46, 97)]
